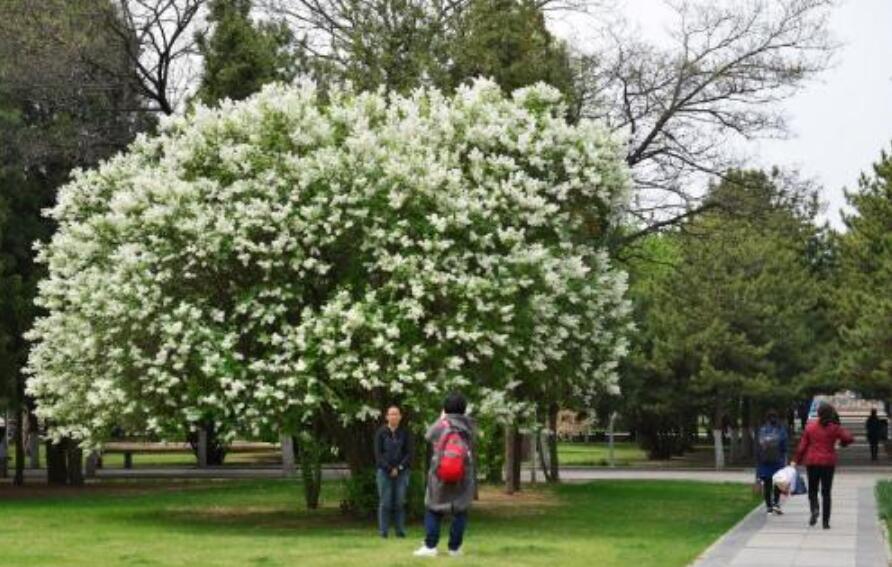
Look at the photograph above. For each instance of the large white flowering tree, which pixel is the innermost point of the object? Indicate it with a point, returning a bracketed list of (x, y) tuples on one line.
[(297, 258)]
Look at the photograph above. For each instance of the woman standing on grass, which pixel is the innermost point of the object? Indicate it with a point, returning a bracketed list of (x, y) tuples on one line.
[(393, 453), (817, 451)]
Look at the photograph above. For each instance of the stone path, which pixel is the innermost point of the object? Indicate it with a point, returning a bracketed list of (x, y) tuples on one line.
[(854, 540)]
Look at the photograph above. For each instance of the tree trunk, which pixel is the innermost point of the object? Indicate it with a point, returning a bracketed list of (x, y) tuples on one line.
[(554, 469), (544, 459), (510, 457), (534, 457), (517, 475), (748, 446), (356, 442), (287, 443), (202, 448), (4, 448), (91, 464), (719, 449), (214, 449), (33, 441), (734, 448), (611, 459), (19, 479), (56, 463), (311, 471), (75, 458)]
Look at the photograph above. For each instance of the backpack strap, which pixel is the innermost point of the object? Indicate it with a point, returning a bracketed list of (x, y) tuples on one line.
[(447, 429)]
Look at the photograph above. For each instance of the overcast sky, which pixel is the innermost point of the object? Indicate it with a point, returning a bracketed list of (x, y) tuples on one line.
[(840, 122)]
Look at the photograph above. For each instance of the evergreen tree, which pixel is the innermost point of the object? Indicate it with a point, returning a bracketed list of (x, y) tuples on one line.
[(57, 112), (241, 55), (507, 40), (864, 293), (731, 327)]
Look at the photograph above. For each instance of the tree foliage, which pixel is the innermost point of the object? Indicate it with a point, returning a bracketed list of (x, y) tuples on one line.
[(863, 296), (282, 259), (241, 55), (732, 315), (508, 41)]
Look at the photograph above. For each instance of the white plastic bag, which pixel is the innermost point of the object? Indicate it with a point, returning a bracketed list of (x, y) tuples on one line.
[(785, 479)]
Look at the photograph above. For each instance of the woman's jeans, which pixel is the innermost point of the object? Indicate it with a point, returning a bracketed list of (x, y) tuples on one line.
[(392, 501), (822, 476), (456, 530)]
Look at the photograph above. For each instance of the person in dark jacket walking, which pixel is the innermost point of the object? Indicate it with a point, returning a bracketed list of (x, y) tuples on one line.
[(393, 453), (771, 455), (817, 451), (452, 440), (874, 428)]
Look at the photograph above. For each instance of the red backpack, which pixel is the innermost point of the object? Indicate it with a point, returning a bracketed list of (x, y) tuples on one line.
[(452, 452)]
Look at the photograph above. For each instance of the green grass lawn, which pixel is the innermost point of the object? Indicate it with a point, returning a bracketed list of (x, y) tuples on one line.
[(243, 523), (597, 454), (884, 498)]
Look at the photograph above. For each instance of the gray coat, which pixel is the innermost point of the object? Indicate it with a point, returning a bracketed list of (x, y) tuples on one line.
[(442, 497)]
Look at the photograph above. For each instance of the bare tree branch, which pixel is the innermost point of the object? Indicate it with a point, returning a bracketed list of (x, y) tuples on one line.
[(684, 106)]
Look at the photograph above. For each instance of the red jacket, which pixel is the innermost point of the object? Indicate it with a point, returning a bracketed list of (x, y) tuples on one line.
[(818, 444)]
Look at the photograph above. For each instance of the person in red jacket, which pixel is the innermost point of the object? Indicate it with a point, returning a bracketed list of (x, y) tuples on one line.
[(817, 451)]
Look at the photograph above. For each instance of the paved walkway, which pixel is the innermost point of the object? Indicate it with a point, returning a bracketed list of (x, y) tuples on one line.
[(854, 540)]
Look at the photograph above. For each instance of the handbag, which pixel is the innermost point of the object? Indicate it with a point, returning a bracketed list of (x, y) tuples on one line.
[(799, 486)]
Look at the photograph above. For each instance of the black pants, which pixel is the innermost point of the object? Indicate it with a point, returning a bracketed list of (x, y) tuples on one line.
[(823, 477), (874, 449), (770, 492)]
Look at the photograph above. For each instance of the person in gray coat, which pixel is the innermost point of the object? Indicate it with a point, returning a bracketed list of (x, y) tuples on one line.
[(451, 478)]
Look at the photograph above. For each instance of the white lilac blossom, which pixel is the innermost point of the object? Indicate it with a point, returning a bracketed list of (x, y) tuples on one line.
[(264, 261)]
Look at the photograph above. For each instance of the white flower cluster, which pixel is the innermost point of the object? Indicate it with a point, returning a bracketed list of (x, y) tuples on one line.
[(260, 262)]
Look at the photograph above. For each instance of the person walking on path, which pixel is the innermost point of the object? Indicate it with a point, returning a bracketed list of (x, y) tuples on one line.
[(393, 454), (451, 480), (817, 451), (771, 455), (874, 432)]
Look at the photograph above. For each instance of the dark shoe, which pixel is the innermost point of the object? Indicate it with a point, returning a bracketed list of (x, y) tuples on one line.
[(826, 525), (401, 535), (814, 518)]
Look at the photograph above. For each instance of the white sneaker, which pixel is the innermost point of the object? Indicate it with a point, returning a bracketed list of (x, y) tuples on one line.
[(455, 553), (425, 551)]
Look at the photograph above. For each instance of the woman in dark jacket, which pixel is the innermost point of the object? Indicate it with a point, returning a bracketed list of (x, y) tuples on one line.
[(393, 453), (771, 454), (817, 451)]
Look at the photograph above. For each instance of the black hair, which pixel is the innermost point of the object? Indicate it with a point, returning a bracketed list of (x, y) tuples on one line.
[(771, 416), (455, 403), (390, 406), (826, 414)]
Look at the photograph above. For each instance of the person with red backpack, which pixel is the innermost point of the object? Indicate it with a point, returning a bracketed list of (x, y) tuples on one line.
[(451, 479), (817, 451)]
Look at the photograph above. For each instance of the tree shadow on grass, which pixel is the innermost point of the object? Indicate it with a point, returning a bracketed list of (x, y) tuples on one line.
[(495, 510)]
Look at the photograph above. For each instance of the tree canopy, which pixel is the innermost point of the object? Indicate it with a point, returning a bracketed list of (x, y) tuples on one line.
[(282, 259), (864, 295)]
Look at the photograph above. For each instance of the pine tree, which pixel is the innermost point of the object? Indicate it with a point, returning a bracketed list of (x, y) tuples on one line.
[(241, 55), (864, 293), (731, 327), (508, 41)]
